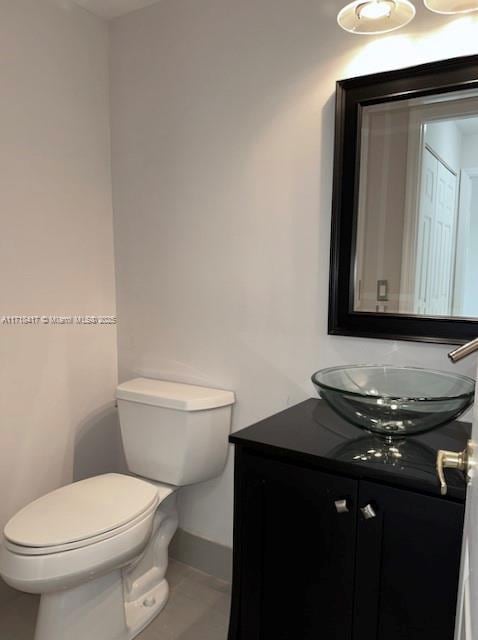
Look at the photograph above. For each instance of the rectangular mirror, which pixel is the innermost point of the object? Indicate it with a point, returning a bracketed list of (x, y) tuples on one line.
[(417, 229), (405, 216)]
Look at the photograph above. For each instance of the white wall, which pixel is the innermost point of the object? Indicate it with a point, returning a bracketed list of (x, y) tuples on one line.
[(222, 116), (470, 152), (446, 140), (382, 207), (56, 249)]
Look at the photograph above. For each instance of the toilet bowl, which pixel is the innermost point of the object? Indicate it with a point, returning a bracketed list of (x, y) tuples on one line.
[(97, 550), (104, 577)]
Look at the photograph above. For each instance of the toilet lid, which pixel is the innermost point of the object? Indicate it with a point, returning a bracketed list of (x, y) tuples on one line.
[(81, 510)]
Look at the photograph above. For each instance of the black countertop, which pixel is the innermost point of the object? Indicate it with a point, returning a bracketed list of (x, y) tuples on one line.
[(312, 433)]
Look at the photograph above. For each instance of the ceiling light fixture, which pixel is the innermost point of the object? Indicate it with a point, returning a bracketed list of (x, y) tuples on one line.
[(375, 10), (451, 6), (376, 16)]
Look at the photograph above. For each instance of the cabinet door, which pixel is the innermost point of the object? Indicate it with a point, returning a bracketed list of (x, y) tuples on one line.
[(297, 553), (408, 559)]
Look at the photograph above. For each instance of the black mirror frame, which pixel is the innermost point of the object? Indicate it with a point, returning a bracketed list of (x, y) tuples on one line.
[(352, 95)]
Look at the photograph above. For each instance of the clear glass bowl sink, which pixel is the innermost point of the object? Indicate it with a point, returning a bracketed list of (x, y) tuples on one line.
[(394, 401)]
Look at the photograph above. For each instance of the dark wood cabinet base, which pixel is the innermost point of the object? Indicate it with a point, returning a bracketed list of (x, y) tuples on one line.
[(328, 553)]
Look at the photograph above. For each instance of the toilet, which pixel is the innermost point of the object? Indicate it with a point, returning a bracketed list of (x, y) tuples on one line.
[(97, 550)]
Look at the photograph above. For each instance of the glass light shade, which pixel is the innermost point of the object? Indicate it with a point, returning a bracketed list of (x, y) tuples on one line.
[(375, 10), (376, 16), (452, 6)]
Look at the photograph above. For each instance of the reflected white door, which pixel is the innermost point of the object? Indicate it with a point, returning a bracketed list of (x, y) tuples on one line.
[(444, 242), (436, 245), (462, 271), (428, 194), (467, 614)]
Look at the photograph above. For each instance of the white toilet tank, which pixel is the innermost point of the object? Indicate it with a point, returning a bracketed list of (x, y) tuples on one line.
[(174, 433)]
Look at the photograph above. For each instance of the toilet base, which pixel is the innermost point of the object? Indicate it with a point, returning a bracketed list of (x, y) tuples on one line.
[(119, 604), (91, 610), (97, 610), (140, 613)]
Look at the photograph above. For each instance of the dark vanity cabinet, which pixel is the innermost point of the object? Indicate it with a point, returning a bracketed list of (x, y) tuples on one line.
[(298, 555), (331, 547)]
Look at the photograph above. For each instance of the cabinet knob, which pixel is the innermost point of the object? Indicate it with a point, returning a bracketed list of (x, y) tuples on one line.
[(341, 506), (368, 512)]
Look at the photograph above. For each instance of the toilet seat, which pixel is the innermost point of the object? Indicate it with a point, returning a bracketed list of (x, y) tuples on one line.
[(79, 544), (46, 569), (82, 514), (42, 573)]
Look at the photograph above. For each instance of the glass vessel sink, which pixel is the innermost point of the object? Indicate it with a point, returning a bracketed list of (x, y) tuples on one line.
[(394, 401)]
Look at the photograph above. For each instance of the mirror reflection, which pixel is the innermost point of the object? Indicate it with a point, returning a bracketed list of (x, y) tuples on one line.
[(399, 454), (417, 226)]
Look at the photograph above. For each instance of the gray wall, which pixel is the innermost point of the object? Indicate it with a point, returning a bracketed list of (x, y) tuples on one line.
[(222, 118), (382, 208), (57, 418)]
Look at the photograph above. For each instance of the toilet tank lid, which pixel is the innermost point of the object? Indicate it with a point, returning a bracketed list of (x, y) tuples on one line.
[(173, 395)]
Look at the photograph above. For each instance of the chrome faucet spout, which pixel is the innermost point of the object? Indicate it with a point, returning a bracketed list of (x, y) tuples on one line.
[(465, 350)]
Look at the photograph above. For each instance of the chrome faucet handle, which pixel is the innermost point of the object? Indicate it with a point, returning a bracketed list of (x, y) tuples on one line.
[(465, 350)]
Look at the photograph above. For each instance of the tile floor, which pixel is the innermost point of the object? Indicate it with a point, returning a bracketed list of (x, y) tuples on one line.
[(198, 609)]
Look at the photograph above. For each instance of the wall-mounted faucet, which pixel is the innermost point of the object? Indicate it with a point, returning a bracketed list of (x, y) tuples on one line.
[(465, 350)]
